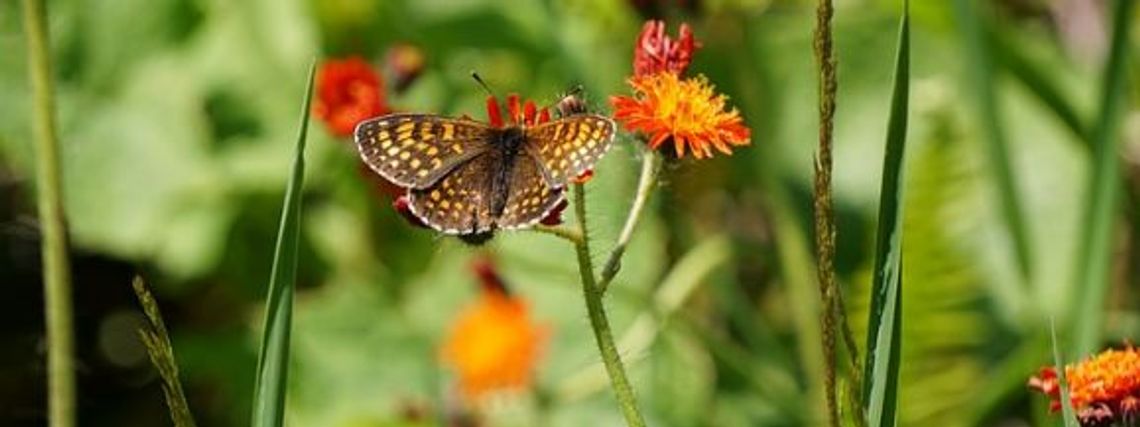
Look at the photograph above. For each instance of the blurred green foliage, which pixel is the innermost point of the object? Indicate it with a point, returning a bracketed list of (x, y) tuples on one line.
[(177, 119)]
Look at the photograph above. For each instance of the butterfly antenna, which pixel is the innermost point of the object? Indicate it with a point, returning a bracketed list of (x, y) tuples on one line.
[(483, 84)]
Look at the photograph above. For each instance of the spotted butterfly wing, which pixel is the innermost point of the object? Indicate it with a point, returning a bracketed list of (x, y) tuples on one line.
[(417, 150), (569, 146), (464, 201), (530, 198), (460, 203)]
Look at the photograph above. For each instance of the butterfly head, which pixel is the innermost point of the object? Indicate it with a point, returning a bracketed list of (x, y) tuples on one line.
[(572, 103)]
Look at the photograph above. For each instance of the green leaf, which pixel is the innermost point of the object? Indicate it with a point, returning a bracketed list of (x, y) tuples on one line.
[(1095, 254), (981, 71), (881, 366), (273, 362)]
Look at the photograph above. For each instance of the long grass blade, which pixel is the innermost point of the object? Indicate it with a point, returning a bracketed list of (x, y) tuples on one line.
[(157, 341), (1038, 80), (273, 363), (1095, 253), (981, 72), (49, 201), (881, 365), (1059, 362)]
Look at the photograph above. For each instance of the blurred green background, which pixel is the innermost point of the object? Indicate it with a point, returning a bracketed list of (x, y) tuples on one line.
[(177, 119)]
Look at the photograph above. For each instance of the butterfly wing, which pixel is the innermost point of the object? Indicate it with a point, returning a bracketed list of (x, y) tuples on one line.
[(417, 150), (530, 197), (459, 203), (569, 146)]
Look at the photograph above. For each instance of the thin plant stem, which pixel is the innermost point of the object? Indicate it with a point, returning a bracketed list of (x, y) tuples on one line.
[(598, 321), (650, 165), (57, 274), (824, 212), (569, 235)]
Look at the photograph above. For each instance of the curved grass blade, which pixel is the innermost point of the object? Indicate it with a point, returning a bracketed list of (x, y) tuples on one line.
[(1036, 78), (273, 362), (881, 365), (981, 71), (1095, 253), (161, 352)]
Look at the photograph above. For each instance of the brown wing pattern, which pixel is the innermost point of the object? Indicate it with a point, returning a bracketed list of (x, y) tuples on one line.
[(530, 197), (569, 146), (416, 150), (459, 203)]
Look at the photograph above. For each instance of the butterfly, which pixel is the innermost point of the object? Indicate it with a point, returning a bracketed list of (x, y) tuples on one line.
[(466, 177)]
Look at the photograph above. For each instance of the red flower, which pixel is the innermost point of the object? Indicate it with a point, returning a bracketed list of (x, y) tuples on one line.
[(555, 216), (1102, 388), (524, 114), (348, 91), (656, 52), (401, 205)]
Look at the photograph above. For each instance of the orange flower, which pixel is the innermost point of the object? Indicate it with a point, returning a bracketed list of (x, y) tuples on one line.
[(1108, 385), (348, 91), (687, 111), (494, 344)]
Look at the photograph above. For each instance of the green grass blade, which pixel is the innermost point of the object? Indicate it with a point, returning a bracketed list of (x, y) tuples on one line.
[(881, 365), (981, 72), (1038, 80), (161, 352), (1095, 255), (273, 362), (1059, 362)]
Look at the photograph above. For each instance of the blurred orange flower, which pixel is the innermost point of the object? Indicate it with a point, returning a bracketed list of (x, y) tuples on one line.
[(1103, 388), (687, 111), (348, 91), (403, 64), (493, 344)]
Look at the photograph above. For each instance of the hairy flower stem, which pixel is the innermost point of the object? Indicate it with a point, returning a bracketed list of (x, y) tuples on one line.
[(570, 235), (56, 271), (824, 212), (598, 321), (650, 165)]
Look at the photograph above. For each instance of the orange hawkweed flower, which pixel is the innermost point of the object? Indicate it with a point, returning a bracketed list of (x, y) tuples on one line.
[(494, 344), (348, 91), (1103, 388), (687, 111)]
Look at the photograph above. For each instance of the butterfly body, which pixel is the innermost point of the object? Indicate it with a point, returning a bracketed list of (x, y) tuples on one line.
[(465, 177), (509, 144)]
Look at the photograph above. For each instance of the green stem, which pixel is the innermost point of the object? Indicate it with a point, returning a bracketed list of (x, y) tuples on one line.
[(569, 235), (57, 274), (650, 164), (601, 326)]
